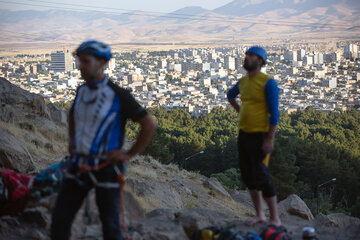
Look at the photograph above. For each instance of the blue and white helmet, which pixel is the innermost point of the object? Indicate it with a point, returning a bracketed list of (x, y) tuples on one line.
[(95, 48)]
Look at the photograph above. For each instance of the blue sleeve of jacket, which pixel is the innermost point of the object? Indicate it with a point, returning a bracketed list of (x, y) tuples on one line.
[(233, 92), (272, 98)]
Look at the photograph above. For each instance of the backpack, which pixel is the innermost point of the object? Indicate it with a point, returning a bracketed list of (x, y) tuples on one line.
[(219, 233), (272, 232), (49, 180), (14, 192)]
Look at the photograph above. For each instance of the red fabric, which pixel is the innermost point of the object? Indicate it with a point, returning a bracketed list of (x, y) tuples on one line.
[(17, 191), (278, 237), (269, 232)]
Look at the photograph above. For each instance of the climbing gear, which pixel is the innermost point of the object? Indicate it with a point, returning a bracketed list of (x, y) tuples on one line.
[(85, 168)]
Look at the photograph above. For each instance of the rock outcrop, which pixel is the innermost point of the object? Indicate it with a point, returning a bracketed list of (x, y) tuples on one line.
[(294, 205), (15, 103), (14, 154)]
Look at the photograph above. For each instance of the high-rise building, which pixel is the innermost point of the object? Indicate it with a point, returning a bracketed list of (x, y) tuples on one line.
[(238, 63), (33, 69), (61, 61), (308, 60), (332, 57), (300, 54), (110, 65), (351, 51), (229, 63), (318, 58), (290, 56)]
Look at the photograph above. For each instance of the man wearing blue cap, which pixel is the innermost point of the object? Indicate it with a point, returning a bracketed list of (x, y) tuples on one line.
[(259, 116), (97, 122)]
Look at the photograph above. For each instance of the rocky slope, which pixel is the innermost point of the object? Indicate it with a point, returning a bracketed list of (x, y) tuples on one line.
[(33, 134), (161, 201)]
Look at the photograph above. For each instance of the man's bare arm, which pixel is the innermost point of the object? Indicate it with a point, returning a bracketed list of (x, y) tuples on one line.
[(148, 127), (234, 104)]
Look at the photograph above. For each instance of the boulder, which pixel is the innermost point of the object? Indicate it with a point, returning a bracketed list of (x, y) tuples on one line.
[(57, 114), (336, 220), (21, 102), (216, 187), (294, 205), (14, 154)]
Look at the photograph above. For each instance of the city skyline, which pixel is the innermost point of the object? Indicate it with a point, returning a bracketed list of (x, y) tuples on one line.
[(324, 77)]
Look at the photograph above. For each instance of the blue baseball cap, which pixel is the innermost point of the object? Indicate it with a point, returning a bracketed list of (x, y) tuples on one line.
[(261, 52)]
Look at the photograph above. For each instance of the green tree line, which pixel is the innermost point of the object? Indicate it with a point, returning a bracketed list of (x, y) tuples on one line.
[(311, 147)]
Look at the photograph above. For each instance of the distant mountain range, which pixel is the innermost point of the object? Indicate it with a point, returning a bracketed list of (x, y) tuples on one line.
[(237, 21)]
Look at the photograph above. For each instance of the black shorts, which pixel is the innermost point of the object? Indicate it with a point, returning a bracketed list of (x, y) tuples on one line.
[(253, 163)]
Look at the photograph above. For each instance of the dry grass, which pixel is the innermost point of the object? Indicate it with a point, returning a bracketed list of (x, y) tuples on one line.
[(147, 203), (142, 171), (173, 168), (40, 142)]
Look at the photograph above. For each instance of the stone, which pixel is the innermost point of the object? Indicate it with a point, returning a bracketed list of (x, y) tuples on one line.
[(14, 154), (294, 205), (57, 114)]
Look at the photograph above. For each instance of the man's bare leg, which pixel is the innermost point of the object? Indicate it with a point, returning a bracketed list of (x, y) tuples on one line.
[(260, 216), (274, 216)]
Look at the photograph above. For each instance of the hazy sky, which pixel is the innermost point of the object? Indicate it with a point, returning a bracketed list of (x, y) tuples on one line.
[(145, 5)]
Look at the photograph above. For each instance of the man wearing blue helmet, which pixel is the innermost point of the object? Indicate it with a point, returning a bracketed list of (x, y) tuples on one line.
[(97, 122), (259, 116)]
